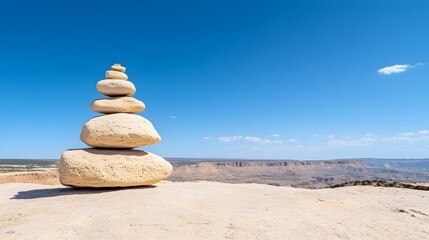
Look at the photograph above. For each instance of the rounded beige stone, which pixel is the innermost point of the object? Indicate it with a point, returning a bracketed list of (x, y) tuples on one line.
[(115, 87), (111, 168), (119, 130), (111, 74), (117, 105), (118, 67)]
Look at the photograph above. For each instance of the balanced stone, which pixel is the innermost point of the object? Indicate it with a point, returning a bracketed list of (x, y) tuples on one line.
[(118, 67), (118, 105), (111, 168), (114, 87), (110, 163), (111, 74), (119, 130)]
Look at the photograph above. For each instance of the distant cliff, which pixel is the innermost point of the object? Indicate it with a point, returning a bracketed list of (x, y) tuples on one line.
[(308, 174), (305, 174), (289, 173)]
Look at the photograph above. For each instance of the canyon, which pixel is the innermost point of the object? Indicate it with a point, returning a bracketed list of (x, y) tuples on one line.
[(293, 173)]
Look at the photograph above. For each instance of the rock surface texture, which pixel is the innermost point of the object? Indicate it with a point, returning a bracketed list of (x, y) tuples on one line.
[(117, 105), (210, 210), (112, 74), (101, 168), (119, 130), (118, 67), (111, 163), (114, 87)]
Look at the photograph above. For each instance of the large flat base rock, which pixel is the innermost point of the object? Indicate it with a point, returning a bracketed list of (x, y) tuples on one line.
[(111, 168)]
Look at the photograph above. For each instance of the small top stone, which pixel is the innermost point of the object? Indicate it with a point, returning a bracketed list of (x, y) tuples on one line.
[(118, 67)]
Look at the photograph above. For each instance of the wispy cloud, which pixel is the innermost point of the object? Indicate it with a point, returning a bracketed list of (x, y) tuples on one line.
[(407, 134), (400, 138), (331, 141), (344, 142), (229, 139), (423, 132), (260, 140), (173, 117), (248, 139), (275, 135), (398, 68)]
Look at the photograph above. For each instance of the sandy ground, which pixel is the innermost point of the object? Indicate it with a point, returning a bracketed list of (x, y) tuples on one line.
[(207, 210), (48, 177)]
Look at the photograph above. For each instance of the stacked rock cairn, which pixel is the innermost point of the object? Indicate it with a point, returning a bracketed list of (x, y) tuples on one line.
[(111, 162)]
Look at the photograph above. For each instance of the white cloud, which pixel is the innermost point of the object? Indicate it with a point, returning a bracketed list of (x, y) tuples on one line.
[(248, 139), (405, 138), (208, 138), (275, 135), (229, 139), (173, 117), (252, 139), (398, 68), (259, 140), (337, 141), (344, 142), (367, 139), (406, 134)]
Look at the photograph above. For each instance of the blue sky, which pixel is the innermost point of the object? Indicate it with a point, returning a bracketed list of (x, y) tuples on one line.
[(235, 79)]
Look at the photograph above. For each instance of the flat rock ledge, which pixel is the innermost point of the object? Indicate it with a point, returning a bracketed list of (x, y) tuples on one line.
[(209, 210), (111, 168)]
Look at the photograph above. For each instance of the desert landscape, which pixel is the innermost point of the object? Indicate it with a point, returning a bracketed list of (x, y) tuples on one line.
[(222, 199), (234, 120), (293, 173), (209, 210)]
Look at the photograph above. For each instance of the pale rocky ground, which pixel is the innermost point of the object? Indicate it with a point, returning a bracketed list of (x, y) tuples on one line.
[(49, 177), (209, 210)]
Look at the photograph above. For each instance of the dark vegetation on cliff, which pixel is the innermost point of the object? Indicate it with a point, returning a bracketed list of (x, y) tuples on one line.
[(380, 183)]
